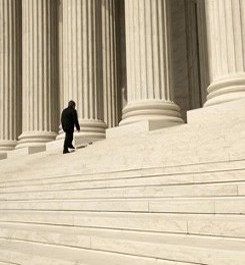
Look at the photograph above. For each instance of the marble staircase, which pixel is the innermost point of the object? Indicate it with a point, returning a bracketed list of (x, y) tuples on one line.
[(174, 196)]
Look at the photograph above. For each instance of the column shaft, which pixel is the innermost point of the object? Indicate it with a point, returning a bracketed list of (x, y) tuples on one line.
[(40, 91), (226, 43), (82, 65), (10, 73), (149, 71), (109, 63)]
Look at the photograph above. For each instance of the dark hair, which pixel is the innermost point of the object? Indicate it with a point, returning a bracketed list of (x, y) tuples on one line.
[(71, 103)]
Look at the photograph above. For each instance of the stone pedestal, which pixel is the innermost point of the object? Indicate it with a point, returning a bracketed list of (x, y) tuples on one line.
[(40, 75), (3, 155), (149, 71), (30, 150), (226, 44), (10, 73)]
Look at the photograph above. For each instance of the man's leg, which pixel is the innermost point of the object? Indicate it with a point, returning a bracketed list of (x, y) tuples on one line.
[(68, 141)]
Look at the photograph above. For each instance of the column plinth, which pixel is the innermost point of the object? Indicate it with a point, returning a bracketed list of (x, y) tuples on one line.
[(149, 66), (226, 47)]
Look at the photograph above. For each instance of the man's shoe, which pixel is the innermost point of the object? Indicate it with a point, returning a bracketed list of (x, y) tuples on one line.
[(71, 147), (66, 152)]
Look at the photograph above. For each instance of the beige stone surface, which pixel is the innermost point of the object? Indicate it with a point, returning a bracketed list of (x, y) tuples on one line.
[(150, 193), (54, 253), (26, 151), (3, 155)]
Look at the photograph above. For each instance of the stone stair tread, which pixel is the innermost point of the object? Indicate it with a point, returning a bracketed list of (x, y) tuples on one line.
[(207, 250), (198, 168), (155, 191), (185, 167), (193, 166), (128, 215), (78, 182), (195, 224), (21, 230), (77, 256), (7, 263), (232, 205), (19, 257), (190, 142)]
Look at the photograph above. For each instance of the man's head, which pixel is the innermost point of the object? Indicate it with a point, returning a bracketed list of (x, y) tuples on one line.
[(72, 104)]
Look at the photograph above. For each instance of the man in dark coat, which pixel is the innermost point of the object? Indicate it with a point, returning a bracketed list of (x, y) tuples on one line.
[(68, 121)]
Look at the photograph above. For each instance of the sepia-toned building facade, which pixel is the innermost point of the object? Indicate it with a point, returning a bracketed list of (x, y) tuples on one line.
[(150, 193), (122, 61)]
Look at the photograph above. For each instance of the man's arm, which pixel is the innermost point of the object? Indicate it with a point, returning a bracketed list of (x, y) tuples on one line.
[(76, 120)]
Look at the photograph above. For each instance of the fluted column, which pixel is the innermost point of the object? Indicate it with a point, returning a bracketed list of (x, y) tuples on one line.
[(60, 54), (149, 71), (226, 44), (82, 65), (40, 92), (111, 103), (10, 73)]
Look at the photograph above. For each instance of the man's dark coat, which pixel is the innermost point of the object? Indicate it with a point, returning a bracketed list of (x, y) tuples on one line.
[(69, 120)]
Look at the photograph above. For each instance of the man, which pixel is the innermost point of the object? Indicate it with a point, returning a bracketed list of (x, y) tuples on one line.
[(68, 121)]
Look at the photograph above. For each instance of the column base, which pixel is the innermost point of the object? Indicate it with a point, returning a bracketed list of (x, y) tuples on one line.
[(225, 90), (35, 139), (166, 112), (91, 131), (7, 145)]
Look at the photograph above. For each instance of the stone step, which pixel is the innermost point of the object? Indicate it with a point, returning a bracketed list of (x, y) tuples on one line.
[(7, 263), (195, 224), (39, 176), (157, 191), (206, 169), (114, 181), (210, 171), (186, 143), (184, 162), (26, 253), (221, 114), (178, 248), (209, 205), (183, 146), (21, 258)]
